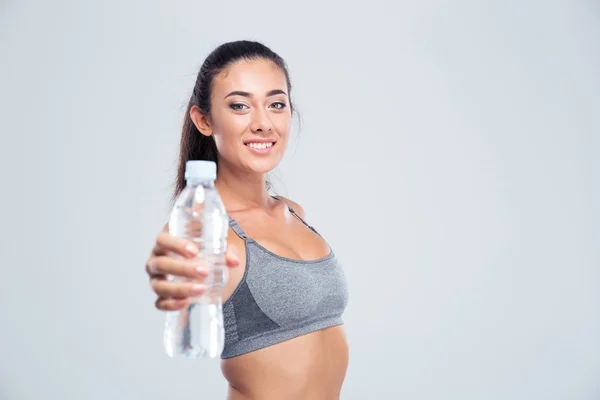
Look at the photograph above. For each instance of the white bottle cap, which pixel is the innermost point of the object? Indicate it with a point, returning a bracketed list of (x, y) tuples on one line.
[(200, 169)]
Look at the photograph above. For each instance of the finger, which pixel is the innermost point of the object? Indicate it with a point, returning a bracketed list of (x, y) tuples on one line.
[(164, 288), (164, 265), (231, 258), (166, 243), (171, 303)]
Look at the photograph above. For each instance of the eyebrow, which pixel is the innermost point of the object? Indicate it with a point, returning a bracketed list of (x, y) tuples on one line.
[(246, 94)]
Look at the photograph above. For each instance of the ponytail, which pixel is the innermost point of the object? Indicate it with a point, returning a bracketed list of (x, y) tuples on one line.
[(193, 146)]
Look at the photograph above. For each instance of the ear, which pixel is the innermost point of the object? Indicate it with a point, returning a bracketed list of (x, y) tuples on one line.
[(201, 121)]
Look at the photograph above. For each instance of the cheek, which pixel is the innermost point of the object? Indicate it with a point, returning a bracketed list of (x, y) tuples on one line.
[(226, 124), (229, 130), (283, 125)]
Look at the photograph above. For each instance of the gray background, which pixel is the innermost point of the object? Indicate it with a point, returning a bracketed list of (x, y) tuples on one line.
[(447, 150)]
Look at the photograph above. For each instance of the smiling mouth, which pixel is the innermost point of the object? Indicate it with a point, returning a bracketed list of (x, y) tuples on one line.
[(260, 146)]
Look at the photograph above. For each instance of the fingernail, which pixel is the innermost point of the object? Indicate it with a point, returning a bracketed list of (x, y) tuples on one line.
[(193, 250), (202, 270), (197, 289)]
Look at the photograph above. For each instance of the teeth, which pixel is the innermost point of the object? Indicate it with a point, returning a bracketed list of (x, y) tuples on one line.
[(260, 145)]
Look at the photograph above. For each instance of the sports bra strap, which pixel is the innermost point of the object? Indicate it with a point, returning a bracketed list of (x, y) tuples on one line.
[(237, 229), (301, 220)]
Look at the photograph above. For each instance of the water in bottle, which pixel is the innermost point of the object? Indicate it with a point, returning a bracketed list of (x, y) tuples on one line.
[(199, 215)]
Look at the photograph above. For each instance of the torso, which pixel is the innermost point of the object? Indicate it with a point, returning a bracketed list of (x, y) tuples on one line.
[(320, 358)]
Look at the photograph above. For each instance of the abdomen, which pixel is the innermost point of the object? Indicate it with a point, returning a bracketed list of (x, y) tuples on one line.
[(309, 366)]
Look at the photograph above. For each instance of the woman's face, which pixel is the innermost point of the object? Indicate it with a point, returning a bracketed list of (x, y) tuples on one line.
[(250, 115)]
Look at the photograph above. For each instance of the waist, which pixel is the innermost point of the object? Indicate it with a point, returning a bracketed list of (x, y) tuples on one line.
[(308, 366)]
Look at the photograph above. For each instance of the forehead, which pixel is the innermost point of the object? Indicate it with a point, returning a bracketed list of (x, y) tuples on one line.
[(254, 76)]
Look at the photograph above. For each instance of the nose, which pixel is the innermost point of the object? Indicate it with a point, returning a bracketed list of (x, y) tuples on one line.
[(261, 122)]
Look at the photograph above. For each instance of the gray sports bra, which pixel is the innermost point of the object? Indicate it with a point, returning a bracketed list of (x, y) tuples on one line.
[(280, 298)]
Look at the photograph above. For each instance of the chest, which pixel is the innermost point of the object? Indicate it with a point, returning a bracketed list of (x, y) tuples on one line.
[(292, 292), (288, 238)]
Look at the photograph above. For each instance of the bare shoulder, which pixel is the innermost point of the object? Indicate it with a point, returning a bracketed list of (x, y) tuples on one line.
[(297, 207)]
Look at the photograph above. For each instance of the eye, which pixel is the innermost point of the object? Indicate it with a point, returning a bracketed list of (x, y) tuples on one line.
[(279, 105), (238, 106)]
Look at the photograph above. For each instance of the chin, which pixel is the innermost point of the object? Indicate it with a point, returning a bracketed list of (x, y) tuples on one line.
[(262, 166)]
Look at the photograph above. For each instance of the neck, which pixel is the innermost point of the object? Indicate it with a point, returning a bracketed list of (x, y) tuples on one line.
[(241, 190)]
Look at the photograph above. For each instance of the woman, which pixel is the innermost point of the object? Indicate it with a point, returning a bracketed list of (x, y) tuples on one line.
[(284, 336)]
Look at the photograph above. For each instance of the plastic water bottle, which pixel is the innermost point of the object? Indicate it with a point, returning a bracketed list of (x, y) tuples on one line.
[(199, 215)]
